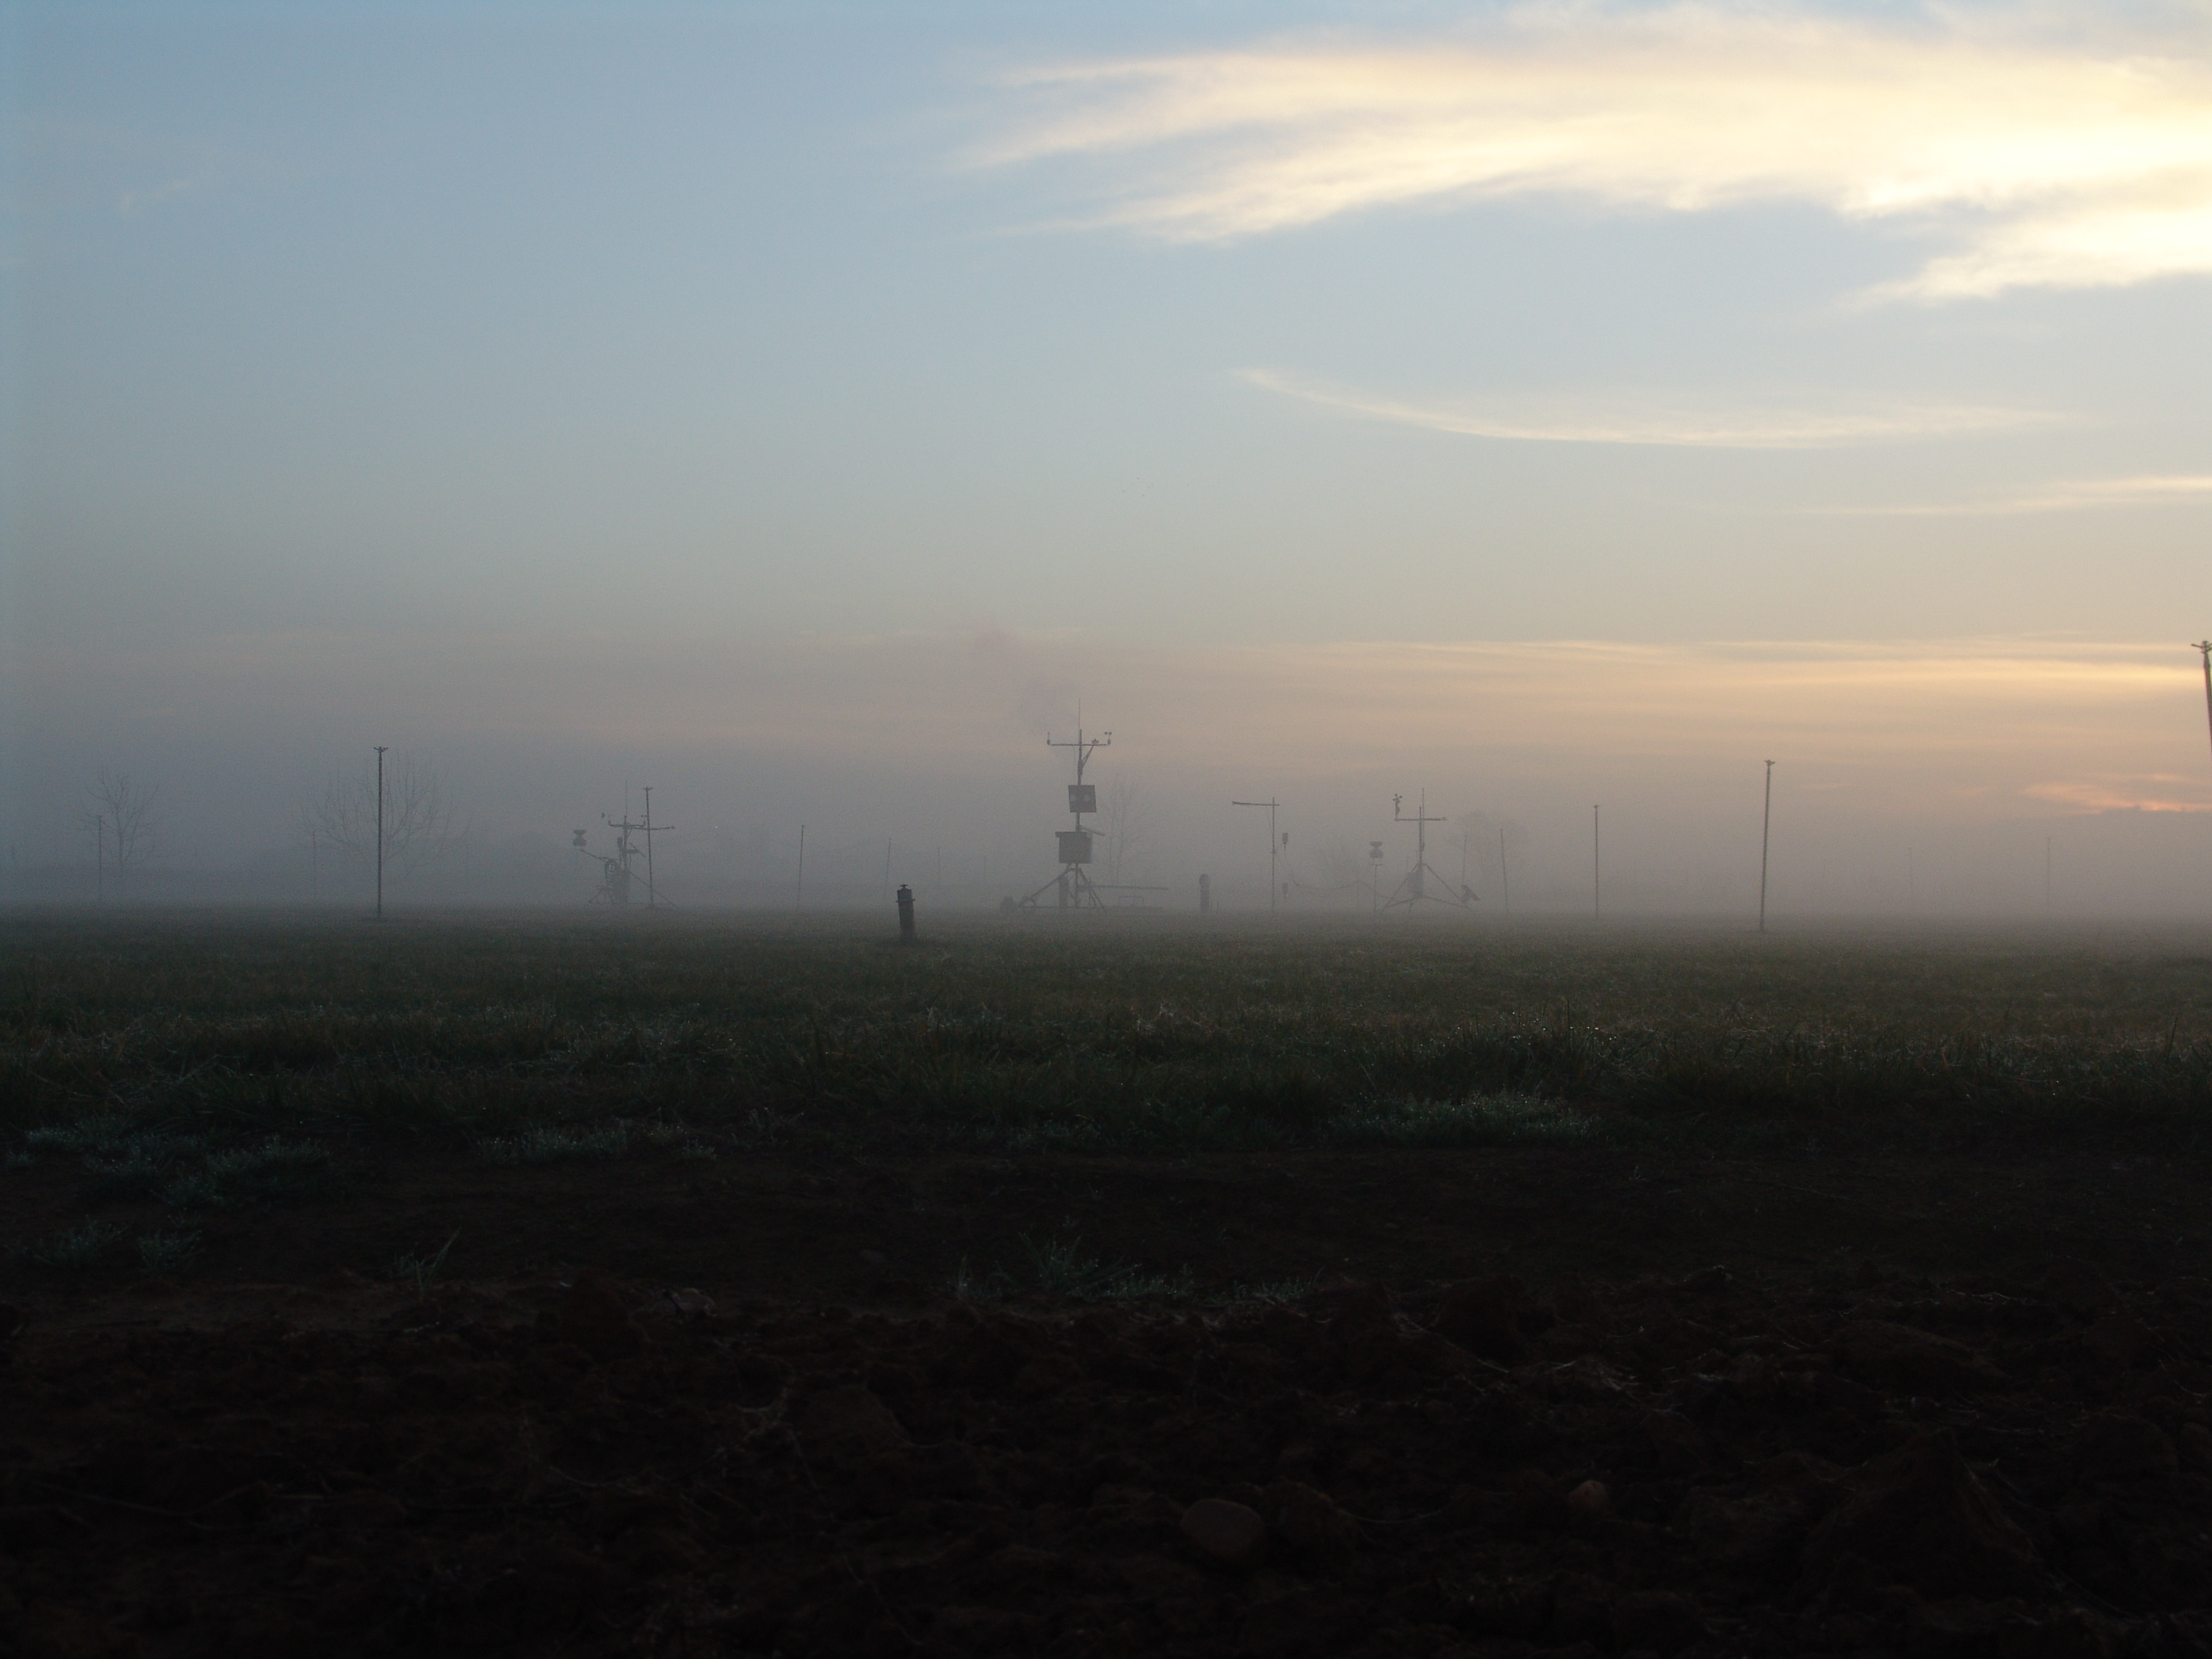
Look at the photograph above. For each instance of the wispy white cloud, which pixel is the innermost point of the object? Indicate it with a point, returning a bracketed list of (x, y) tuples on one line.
[(2076, 495), (2048, 155), (1623, 419), (2151, 794)]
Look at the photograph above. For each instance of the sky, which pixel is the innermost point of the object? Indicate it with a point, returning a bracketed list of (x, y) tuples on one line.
[(804, 408)]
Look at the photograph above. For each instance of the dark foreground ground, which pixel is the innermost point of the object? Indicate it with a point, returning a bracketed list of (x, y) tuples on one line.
[(844, 1385), (1930, 1408)]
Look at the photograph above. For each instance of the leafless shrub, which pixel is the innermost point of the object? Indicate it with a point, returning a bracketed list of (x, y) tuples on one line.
[(420, 822), (120, 812)]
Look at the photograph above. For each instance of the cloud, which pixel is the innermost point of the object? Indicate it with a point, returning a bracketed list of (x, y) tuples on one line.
[(1619, 420), (2078, 495), (2046, 163), (2113, 796)]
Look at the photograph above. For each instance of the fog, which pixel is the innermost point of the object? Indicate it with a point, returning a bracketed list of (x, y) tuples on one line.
[(1972, 779)]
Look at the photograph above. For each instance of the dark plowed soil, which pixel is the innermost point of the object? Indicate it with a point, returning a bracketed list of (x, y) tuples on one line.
[(1746, 1463)]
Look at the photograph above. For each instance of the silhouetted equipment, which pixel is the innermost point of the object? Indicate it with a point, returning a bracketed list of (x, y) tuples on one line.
[(1375, 871), (1205, 893), (1270, 803), (1072, 888), (619, 874), (906, 913), (1414, 889)]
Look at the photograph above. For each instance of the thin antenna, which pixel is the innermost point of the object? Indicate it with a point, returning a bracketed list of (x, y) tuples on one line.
[(1597, 889), (1504, 886), (1273, 845), (380, 748), (1766, 826)]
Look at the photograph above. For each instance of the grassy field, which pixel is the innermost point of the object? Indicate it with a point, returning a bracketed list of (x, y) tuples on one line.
[(217, 1060)]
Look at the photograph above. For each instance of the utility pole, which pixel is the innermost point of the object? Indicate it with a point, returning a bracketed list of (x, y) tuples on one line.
[(380, 748), (1597, 889), (2046, 877), (1272, 848), (1766, 827), (2205, 647), (1504, 887)]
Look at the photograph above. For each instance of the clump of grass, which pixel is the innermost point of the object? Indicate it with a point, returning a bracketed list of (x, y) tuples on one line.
[(79, 1248), (423, 1272), (969, 1285), (1481, 1120), (697, 1152), (165, 1253), (143, 1163), (276, 1169), (1064, 1267), (90, 1135), (1273, 1290), (541, 1144)]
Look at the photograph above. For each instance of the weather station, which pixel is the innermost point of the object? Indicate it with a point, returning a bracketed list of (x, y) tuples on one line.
[(1413, 891), (618, 872), (1073, 888)]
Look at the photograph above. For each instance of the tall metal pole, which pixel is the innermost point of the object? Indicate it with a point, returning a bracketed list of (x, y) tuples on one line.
[(649, 888), (380, 748), (2046, 877), (1597, 889), (1766, 826), (2205, 647), (1273, 848), (798, 897), (1504, 886)]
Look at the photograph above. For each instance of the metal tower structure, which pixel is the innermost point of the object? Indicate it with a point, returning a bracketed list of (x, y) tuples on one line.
[(1072, 888), (1414, 889), (618, 874)]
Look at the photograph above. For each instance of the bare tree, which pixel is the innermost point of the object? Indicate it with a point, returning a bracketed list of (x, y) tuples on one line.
[(1340, 866), (122, 814), (421, 823), (1125, 819)]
